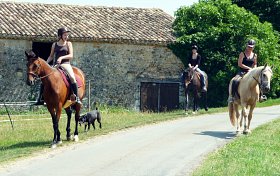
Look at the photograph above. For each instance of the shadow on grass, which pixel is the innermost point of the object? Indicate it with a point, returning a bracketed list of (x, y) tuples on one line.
[(30, 144), (218, 134)]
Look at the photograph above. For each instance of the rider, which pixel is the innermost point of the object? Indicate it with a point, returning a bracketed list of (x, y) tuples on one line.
[(194, 62), (62, 51), (247, 60)]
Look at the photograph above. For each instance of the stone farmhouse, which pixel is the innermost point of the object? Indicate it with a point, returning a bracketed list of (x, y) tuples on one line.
[(122, 51)]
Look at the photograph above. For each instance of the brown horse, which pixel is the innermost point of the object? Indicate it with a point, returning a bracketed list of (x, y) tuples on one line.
[(55, 93), (248, 90), (193, 84)]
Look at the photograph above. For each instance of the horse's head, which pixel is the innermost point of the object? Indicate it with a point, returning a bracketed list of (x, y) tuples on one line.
[(188, 76), (33, 67), (264, 79)]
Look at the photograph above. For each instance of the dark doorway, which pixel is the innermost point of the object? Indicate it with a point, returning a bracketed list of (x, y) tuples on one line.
[(42, 49), (159, 97)]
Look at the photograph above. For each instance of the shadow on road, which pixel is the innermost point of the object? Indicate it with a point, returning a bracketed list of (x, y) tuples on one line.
[(218, 134)]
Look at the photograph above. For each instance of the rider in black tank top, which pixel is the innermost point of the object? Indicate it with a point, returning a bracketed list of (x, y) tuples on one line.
[(249, 62)]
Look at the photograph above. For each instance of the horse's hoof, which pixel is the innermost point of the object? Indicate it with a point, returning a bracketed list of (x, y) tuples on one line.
[(238, 133), (53, 146), (206, 109), (194, 112), (69, 138), (59, 142), (76, 138), (246, 132)]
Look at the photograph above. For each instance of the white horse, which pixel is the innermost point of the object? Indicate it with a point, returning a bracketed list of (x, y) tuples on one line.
[(248, 90)]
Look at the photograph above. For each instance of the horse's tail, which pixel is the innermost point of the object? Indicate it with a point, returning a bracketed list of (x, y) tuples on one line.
[(231, 113)]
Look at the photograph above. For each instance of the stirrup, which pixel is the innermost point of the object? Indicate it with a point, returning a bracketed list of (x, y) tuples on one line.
[(263, 98), (204, 89), (78, 100), (230, 99)]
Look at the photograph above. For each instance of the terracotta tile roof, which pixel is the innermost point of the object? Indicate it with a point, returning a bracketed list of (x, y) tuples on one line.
[(87, 23)]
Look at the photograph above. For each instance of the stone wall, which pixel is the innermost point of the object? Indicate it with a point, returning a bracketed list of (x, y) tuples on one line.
[(13, 86), (115, 70)]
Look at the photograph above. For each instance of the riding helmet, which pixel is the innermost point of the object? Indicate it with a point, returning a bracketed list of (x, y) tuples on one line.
[(61, 31), (194, 47), (251, 43)]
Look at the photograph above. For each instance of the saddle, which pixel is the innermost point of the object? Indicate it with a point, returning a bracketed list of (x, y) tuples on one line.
[(66, 78), (235, 84), (67, 82)]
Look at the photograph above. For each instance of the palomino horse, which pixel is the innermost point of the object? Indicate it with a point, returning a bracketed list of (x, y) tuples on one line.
[(193, 84), (248, 90), (55, 92)]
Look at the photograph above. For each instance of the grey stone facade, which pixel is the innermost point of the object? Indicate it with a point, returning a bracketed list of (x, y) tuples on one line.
[(115, 70)]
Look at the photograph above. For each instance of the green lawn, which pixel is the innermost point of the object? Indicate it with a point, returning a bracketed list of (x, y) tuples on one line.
[(254, 154)]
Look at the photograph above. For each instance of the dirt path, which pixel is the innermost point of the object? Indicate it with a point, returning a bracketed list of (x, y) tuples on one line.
[(165, 149)]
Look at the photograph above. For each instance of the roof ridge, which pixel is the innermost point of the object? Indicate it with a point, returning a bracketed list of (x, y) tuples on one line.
[(77, 5)]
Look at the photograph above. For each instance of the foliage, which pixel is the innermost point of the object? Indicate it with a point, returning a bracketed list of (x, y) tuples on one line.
[(264, 9), (221, 30)]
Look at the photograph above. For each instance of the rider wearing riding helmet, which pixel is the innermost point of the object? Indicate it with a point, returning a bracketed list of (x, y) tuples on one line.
[(62, 52), (247, 60), (194, 61)]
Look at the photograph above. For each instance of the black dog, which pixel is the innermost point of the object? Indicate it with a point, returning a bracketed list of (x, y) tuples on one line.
[(89, 118)]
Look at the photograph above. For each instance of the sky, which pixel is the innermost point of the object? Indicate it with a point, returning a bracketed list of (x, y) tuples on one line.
[(169, 6)]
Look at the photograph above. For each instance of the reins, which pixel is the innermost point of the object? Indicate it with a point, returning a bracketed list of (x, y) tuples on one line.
[(37, 76)]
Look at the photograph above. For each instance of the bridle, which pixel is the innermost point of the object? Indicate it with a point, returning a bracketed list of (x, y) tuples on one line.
[(261, 82), (35, 75), (191, 78)]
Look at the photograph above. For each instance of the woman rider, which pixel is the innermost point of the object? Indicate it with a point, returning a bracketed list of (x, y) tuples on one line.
[(194, 62), (247, 60), (62, 52)]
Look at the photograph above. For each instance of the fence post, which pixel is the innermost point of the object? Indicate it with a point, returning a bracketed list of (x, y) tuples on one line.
[(89, 96)]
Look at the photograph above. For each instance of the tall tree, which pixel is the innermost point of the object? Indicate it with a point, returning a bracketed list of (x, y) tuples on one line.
[(266, 10), (221, 30)]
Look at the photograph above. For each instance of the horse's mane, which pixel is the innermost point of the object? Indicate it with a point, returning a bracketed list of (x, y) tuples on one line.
[(255, 72), (45, 62)]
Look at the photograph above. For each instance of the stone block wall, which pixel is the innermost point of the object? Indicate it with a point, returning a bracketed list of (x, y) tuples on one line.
[(115, 70), (13, 86)]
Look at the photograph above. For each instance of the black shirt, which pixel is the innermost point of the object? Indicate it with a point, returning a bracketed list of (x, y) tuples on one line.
[(249, 62), (196, 61)]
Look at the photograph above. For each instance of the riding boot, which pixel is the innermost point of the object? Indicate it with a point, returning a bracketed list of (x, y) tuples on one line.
[(203, 85), (40, 99), (75, 90)]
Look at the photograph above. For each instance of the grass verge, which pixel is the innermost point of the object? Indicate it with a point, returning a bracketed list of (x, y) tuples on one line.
[(254, 154)]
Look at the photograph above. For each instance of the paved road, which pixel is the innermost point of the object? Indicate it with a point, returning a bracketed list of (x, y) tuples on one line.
[(165, 149)]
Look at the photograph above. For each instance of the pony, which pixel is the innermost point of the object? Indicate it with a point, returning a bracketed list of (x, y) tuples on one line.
[(251, 84), (56, 94), (192, 84)]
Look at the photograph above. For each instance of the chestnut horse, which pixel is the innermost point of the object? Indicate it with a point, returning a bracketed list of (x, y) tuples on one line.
[(248, 90), (192, 84), (55, 93)]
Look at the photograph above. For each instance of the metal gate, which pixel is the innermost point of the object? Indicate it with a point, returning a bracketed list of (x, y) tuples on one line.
[(159, 97)]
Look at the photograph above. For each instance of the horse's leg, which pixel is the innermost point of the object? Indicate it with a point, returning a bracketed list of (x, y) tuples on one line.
[(186, 100), (250, 115), (204, 94), (244, 114), (69, 113), (238, 120), (56, 126), (195, 101), (77, 115)]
